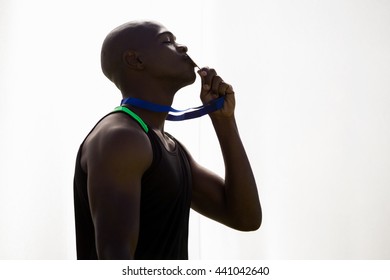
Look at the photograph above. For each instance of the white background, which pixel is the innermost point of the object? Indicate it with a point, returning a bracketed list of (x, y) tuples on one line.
[(313, 96)]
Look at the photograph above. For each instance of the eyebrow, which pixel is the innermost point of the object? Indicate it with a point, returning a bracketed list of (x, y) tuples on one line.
[(167, 33)]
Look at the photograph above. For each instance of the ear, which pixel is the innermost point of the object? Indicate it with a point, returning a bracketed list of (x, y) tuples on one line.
[(132, 60)]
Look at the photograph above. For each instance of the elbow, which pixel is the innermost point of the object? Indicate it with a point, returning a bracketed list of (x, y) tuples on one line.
[(256, 224), (250, 224)]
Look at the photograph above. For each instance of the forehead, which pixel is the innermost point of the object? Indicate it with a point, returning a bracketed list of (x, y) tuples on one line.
[(147, 34), (152, 29), (136, 35)]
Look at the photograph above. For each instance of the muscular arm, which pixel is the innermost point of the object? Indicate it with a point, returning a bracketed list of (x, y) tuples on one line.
[(117, 158), (233, 201)]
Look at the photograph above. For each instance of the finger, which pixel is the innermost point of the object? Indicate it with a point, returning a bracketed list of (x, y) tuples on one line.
[(215, 85), (230, 90), (208, 78), (203, 73), (223, 87)]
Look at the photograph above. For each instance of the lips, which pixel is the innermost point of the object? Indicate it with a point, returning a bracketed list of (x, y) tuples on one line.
[(190, 59)]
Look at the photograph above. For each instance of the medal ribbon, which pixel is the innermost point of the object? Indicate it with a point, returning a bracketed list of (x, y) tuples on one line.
[(178, 115)]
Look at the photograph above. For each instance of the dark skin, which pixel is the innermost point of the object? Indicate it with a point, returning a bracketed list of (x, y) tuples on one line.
[(118, 152)]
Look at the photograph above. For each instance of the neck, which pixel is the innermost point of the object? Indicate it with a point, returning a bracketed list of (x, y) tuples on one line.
[(155, 120), (155, 91)]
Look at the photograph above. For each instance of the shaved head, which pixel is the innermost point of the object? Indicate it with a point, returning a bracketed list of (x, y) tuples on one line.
[(135, 36), (143, 56)]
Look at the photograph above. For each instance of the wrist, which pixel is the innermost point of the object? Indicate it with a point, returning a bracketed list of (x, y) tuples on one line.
[(223, 121)]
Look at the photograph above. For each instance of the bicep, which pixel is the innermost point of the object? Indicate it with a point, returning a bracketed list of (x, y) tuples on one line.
[(114, 191), (208, 193), (115, 214)]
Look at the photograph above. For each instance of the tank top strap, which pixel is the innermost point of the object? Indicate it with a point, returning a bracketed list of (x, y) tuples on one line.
[(137, 118)]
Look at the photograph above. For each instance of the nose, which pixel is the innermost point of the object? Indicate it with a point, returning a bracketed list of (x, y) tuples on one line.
[(182, 48)]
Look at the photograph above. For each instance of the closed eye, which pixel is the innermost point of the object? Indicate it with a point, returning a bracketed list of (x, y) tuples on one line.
[(168, 38)]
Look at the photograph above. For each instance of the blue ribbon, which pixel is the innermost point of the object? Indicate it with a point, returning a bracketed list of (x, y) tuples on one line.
[(186, 114)]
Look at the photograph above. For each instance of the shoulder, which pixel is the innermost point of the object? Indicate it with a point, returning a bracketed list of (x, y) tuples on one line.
[(117, 142)]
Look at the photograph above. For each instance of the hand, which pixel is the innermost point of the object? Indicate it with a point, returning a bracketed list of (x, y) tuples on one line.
[(213, 87)]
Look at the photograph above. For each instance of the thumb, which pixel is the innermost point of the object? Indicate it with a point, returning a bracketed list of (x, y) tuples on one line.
[(204, 86)]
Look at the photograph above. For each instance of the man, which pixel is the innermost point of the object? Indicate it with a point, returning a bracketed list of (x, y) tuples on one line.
[(135, 184)]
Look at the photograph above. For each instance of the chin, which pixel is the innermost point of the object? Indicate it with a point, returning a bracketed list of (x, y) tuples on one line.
[(193, 78), (189, 79)]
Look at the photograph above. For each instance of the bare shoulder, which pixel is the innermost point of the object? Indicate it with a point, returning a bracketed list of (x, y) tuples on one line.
[(115, 156), (117, 141)]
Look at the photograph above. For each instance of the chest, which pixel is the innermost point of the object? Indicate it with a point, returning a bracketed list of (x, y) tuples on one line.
[(168, 181)]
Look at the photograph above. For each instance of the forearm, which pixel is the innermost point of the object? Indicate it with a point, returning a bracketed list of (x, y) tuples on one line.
[(242, 200)]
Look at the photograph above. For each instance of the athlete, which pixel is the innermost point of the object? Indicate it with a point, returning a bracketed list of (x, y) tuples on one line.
[(134, 183)]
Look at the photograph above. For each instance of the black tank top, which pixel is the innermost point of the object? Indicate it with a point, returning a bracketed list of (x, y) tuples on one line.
[(165, 206)]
